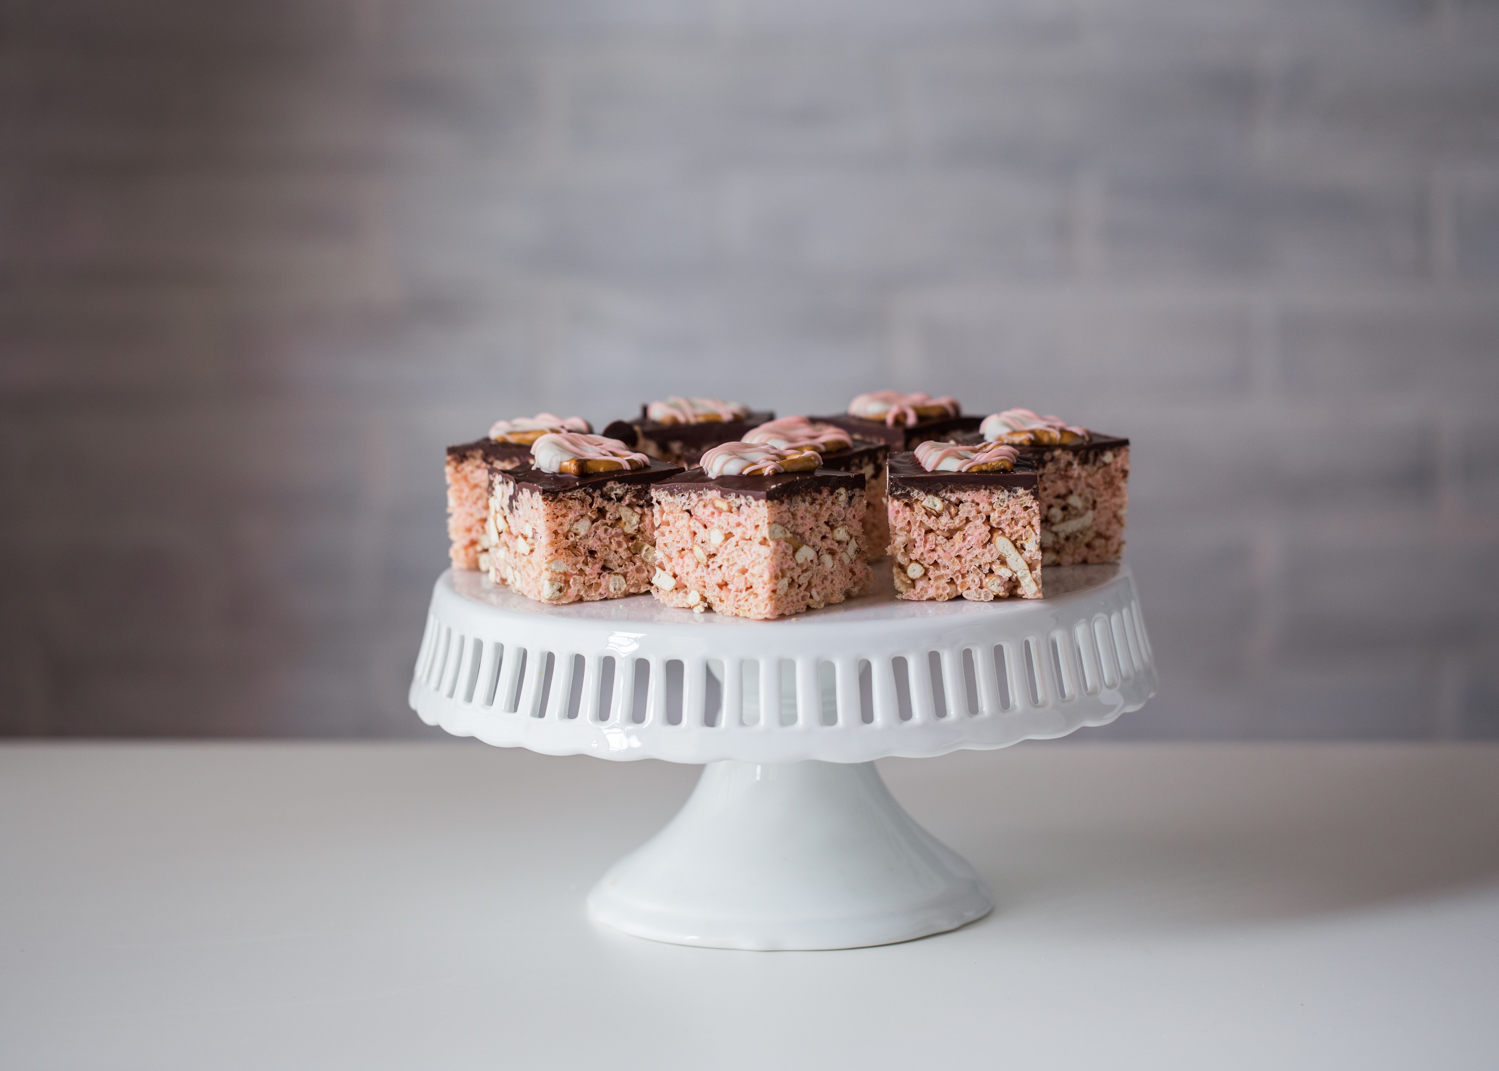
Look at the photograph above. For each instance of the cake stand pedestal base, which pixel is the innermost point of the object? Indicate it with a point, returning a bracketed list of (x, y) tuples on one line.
[(795, 855)]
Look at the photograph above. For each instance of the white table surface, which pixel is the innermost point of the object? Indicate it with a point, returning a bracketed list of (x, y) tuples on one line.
[(420, 906)]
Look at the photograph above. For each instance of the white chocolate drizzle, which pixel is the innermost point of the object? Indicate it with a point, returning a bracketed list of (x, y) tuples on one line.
[(907, 410), (552, 451), (802, 433), (524, 430), (679, 410), (752, 459), (1018, 425), (962, 457)]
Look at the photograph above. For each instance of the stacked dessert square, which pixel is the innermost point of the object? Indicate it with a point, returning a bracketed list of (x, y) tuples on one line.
[(709, 505), (964, 520), (576, 524), (759, 531), (507, 446), (1083, 484), (841, 451), (679, 430), (902, 420)]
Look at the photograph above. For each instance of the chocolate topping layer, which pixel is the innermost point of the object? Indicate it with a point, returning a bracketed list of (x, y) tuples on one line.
[(902, 438), (552, 483), (492, 451), (779, 485), (704, 434), (861, 453), (1096, 444), (907, 477)]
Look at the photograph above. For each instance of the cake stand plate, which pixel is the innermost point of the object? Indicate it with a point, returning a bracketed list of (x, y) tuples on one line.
[(790, 840)]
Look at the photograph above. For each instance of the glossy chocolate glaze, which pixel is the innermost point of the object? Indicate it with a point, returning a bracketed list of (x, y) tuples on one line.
[(1096, 444), (493, 452), (902, 438), (779, 485), (907, 477), (856, 457), (552, 483), (693, 437)]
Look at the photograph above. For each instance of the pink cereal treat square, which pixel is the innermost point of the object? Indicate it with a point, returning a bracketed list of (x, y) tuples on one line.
[(760, 546), (841, 450), (680, 430), (974, 535), (902, 420), (1084, 484), (467, 468), (467, 472), (561, 538)]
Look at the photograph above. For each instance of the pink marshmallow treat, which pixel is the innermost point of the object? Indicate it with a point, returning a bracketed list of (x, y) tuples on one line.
[(467, 474), (679, 430), (560, 538), (1084, 498), (902, 420), (760, 546), (1084, 488), (963, 533), (842, 451)]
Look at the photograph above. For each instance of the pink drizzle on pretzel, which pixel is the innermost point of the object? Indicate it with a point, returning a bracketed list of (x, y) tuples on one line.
[(998, 424), (896, 408), (746, 459), (550, 451), (800, 432), (958, 457), (540, 422), (679, 410)]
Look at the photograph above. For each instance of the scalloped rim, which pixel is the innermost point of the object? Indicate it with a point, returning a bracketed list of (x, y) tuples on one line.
[(1077, 686)]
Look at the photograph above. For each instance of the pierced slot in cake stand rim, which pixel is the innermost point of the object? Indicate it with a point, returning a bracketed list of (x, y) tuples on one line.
[(790, 839)]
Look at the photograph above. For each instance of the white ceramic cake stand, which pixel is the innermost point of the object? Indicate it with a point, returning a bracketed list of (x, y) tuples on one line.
[(790, 839)]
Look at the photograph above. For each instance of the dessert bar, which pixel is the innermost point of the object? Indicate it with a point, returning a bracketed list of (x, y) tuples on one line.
[(964, 520), (576, 524), (679, 430), (507, 446), (759, 531), (1084, 484), (840, 451), (902, 420)]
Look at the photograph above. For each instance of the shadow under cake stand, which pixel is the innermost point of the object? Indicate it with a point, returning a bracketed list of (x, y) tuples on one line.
[(791, 839)]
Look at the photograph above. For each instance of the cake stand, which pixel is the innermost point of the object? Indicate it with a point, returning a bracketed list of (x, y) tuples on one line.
[(791, 839)]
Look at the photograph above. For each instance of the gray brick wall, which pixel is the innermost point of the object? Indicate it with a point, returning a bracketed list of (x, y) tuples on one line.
[(260, 262)]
